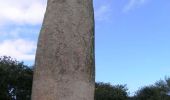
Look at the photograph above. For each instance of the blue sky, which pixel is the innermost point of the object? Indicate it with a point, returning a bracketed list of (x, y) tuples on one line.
[(132, 37)]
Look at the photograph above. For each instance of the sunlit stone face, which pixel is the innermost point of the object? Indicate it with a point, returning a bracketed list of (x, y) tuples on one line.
[(65, 53)]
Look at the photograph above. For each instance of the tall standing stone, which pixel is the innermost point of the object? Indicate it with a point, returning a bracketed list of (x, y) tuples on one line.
[(65, 54)]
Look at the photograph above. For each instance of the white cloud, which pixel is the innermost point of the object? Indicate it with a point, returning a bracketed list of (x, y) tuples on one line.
[(102, 13), (133, 4), (22, 11), (19, 49)]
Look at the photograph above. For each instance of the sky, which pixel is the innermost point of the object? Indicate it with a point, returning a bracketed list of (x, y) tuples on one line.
[(132, 43)]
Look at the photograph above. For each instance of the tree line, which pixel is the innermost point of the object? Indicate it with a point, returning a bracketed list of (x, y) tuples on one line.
[(16, 83)]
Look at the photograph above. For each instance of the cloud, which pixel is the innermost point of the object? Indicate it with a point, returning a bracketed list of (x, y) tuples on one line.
[(22, 11), (19, 21), (102, 13), (20, 49), (133, 4)]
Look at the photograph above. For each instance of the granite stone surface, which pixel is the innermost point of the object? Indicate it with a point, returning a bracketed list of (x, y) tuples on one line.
[(64, 65)]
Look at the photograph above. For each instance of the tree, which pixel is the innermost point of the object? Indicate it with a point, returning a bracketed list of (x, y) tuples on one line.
[(159, 91), (15, 79), (148, 93), (106, 91)]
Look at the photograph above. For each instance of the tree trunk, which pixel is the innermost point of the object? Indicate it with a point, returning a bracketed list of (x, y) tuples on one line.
[(65, 68)]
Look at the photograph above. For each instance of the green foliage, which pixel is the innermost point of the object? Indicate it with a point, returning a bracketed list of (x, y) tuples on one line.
[(105, 91), (148, 93), (15, 79), (159, 91)]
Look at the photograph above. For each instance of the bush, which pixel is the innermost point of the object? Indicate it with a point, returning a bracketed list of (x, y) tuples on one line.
[(15, 79)]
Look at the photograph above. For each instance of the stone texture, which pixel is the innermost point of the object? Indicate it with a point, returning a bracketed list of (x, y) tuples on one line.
[(65, 67)]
